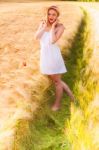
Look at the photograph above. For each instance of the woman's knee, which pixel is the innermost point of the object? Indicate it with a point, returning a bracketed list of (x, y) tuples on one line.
[(56, 79), (57, 82)]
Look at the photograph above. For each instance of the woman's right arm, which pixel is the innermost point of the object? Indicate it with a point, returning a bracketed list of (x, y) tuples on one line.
[(40, 30)]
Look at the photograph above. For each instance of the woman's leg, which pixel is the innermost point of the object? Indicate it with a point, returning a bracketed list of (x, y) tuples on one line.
[(68, 91), (60, 87), (59, 90)]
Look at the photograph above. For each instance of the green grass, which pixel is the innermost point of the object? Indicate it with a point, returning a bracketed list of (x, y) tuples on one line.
[(46, 130)]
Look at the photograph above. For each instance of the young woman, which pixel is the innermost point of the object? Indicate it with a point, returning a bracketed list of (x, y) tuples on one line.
[(51, 60)]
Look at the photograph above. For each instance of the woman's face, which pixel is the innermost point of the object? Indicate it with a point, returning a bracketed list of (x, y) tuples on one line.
[(52, 16)]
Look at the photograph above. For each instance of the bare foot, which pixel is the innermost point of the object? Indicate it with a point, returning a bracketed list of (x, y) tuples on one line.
[(55, 107), (72, 99)]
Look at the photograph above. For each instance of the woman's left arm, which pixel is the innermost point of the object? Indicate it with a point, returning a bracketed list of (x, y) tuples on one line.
[(57, 35)]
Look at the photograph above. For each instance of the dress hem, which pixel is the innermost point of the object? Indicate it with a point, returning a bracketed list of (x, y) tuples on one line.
[(53, 73)]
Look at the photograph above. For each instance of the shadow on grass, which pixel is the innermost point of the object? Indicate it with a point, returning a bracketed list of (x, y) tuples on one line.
[(75, 62), (80, 77)]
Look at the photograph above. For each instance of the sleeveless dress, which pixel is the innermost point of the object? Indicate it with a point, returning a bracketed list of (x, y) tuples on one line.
[(51, 60)]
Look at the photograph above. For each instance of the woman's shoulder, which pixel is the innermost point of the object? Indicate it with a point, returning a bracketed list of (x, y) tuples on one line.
[(60, 25)]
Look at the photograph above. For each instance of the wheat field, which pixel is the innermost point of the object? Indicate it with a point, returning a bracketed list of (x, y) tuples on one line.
[(21, 83), (23, 87)]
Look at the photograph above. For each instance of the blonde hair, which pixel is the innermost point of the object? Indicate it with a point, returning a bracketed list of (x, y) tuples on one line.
[(54, 7)]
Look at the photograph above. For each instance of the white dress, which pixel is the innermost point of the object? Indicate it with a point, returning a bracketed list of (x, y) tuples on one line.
[(51, 60)]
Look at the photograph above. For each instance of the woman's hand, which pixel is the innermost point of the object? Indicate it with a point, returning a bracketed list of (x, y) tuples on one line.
[(55, 23), (41, 29), (43, 24)]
